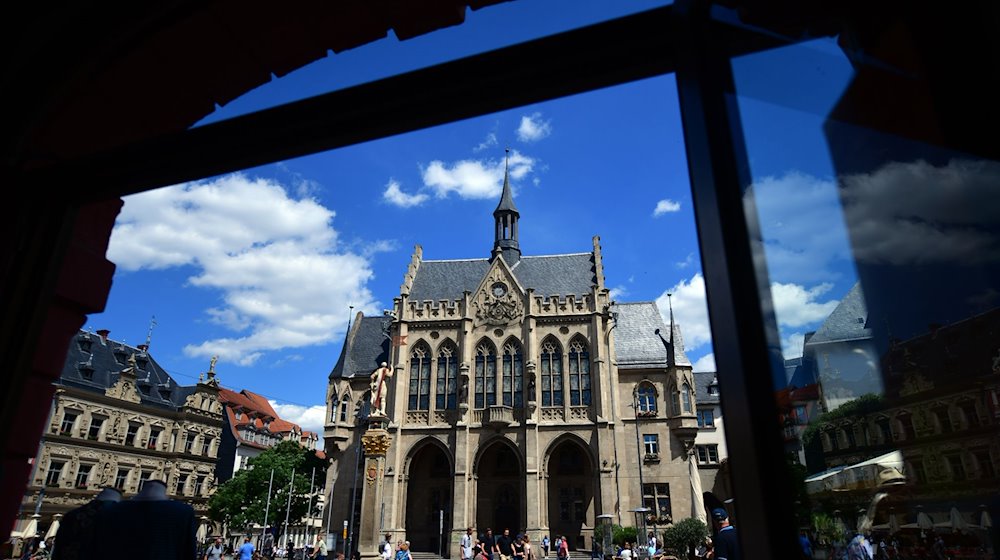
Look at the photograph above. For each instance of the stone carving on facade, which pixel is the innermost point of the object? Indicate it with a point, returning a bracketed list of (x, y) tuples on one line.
[(915, 382), (125, 388), (498, 301), (376, 443), (371, 471)]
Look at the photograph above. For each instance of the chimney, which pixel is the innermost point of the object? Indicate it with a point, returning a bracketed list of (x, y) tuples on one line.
[(103, 333), (143, 348)]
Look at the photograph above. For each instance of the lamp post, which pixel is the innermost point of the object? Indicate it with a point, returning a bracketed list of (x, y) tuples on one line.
[(640, 520)]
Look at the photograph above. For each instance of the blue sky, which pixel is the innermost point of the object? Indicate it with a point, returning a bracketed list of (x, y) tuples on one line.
[(260, 267)]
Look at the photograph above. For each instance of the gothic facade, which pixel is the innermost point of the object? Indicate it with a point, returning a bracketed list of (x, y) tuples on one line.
[(521, 397)]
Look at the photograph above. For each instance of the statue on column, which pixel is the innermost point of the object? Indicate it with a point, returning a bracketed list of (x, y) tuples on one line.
[(379, 389)]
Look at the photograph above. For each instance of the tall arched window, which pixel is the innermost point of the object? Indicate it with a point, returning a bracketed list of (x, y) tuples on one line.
[(446, 394), (686, 399), (579, 373), (345, 405), (513, 375), (486, 375), (420, 379), (334, 406), (552, 380), (646, 398)]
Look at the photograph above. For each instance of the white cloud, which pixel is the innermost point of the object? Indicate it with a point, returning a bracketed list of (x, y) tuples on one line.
[(276, 261), (488, 142), (690, 311), (618, 292), (705, 363), (797, 306), (395, 196), (666, 206), (791, 345), (688, 261), (916, 213), (311, 418), (533, 128), (474, 179), (803, 227)]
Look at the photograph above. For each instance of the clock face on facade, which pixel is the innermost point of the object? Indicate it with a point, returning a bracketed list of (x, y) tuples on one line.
[(499, 289)]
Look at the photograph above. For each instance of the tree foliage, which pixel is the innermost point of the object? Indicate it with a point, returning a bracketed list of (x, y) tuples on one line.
[(682, 537), (241, 501), (861, 406)]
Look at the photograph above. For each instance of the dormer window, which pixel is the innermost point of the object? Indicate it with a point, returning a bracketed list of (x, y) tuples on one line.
[(713, 389), (85, 344), (239, 415), (141, 362), (165, 394), (87, 371), (120, 355)]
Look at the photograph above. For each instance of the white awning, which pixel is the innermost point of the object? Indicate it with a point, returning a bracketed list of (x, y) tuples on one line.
[(858, 476)]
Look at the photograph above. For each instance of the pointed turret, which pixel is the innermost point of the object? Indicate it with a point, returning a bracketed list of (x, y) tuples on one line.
[(505, 219)]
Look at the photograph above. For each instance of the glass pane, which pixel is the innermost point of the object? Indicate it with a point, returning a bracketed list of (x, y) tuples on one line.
[(881, 250)]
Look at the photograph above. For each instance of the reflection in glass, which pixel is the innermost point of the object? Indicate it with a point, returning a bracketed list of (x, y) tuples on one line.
[(882, 252)]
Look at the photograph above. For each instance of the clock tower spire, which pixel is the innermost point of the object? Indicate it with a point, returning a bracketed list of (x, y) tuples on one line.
[(505, 219)]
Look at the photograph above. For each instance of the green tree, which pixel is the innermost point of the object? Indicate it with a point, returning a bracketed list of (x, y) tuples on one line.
[(682, 537), (240, 501)]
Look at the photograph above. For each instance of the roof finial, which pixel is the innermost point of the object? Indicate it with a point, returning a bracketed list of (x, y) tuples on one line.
[(211, 365), (350, 315), (149, 333), (670, 304)]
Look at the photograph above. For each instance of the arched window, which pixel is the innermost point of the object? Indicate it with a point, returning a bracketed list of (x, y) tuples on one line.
[(579, 373), (345, 406), (334, 405), (552, 380), (646, 398), (446, 394), (686, 404), (513, 375), (420, 379), (486, 375)]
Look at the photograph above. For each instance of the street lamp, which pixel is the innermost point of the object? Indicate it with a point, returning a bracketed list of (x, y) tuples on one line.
[(640, 519), (640, 524)]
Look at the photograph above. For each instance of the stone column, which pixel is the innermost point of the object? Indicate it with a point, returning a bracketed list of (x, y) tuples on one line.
[(376, 441)]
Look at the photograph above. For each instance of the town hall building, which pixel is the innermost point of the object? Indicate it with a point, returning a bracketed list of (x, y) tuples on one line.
[(521, 397)]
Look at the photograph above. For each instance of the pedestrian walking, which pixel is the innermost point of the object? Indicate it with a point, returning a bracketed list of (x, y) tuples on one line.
[(545, 545), (387, 547), (727, 545), (246, 549), (467, 543), (215, 551), (319, 550), (563, 547)]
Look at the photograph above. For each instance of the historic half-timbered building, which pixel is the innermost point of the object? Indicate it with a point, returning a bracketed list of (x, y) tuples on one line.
[(522, 397)]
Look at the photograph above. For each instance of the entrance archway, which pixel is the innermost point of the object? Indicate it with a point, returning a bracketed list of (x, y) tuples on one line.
[(571, 491), (500, 487), (428, 494)]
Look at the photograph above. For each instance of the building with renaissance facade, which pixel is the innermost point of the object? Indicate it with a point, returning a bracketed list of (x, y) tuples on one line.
[(513, 401)]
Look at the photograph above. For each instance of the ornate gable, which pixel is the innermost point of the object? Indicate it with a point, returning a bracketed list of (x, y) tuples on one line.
[(499, 300), (124, 388)]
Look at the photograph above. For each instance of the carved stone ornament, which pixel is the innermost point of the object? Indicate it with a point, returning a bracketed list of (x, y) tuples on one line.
[(376, 443), (498, 302), (124, 388), (371, 471)]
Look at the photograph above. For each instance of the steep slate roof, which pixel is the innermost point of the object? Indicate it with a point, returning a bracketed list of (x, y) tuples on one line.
[(636, 343), (549, 275), (365, 348), (702, 379), (847, 322), (156, 387)]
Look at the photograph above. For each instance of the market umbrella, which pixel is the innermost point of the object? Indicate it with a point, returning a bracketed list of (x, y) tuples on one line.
[(697, 495), (958, 522), (924, 521), (53, 528), (893, 523), (31, 529)]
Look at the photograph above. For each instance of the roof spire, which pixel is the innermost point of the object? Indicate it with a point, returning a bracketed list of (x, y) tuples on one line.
[(149, 333), (505, 219)]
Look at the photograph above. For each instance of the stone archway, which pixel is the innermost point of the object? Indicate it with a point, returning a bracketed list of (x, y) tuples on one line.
[(500, 489), (428, 493), (571, 493)]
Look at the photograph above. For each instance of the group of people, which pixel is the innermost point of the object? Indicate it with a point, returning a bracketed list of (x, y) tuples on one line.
[(497, 547), (247, 550)]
